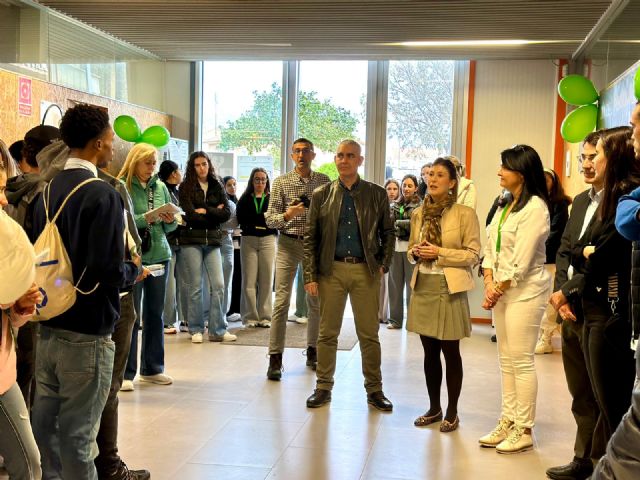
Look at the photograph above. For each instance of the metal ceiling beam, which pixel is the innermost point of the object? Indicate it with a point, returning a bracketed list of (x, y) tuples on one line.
[(601, 26)]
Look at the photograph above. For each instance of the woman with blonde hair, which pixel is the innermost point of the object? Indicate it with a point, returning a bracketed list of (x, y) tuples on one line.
[(147, 193)]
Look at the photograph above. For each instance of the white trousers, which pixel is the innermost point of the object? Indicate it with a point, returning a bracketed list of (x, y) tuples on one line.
[(517, 326)]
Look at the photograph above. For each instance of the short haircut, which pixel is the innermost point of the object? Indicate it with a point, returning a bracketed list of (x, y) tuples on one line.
[(592, 138), (16, 150), (303, 140), (81, 124), (352, 143)]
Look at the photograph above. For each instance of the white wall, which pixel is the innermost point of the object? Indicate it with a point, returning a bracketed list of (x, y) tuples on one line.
[(514, 103)]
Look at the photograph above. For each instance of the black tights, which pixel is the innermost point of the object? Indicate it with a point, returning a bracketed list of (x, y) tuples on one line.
[(433, 373)]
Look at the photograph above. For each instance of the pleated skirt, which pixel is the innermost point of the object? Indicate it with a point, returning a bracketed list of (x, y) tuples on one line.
[(434, 312)]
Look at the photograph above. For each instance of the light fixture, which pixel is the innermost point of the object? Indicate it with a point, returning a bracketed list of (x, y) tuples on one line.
[(477, 43)]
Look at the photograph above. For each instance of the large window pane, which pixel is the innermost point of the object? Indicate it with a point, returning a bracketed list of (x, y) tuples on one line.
[(419, 117), (332, 107), (242, 117)]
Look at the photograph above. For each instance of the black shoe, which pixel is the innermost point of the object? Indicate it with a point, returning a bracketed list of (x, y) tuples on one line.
[(312, 357), (494, 339), (275, 367), (578, 469), (379, 401), (123, 473), (318, 398)]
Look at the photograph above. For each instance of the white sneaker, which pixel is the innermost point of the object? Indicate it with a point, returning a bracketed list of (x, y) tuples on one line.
[(158, 379), (517, 441), (127, 386), (544, 345), (196, 338), (302, 320), (184, 327), (264, 323), (227, 337), (292, 318), (251, 324), (498, 434), (234, 317)]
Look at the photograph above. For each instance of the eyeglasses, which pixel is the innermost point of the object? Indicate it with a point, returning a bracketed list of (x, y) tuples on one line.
[(304, 151), (584, 158), (259, 180)]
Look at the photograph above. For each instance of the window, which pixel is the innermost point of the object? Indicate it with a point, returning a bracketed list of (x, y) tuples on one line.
[(242, 117), (419, 115), (331, 107)]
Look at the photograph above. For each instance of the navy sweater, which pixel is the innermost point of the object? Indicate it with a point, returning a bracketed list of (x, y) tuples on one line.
[(92, 230)]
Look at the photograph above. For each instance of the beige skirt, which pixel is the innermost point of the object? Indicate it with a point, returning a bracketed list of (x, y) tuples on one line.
[(434, 312)]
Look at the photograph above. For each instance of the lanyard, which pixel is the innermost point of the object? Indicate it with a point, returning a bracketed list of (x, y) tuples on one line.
[(499, 239), (255, 201), (402, 211)]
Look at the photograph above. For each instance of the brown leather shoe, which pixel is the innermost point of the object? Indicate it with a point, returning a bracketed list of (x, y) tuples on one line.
[(379, 401)]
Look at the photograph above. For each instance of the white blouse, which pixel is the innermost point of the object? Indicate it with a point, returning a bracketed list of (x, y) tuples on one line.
[(522, 251)]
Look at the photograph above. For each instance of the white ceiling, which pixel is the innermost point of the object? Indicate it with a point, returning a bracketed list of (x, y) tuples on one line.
[(288, 29)]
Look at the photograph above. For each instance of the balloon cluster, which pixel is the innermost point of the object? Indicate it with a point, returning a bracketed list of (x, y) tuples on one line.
[(128, 129), (578, 90)]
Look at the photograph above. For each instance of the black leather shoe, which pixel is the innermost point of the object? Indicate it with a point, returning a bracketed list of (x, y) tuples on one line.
[(379, 401), (318, 398), (123, 473), (576, 470), (312, 357), (274, 372)]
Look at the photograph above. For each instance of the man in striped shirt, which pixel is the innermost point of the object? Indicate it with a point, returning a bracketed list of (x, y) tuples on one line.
[(287, 212)]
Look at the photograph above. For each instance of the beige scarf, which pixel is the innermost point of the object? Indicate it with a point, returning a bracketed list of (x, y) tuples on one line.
[(432, 219)]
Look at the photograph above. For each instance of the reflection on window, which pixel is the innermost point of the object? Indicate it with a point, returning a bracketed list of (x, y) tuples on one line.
[(331, 107), (242, 116), (419, 117)]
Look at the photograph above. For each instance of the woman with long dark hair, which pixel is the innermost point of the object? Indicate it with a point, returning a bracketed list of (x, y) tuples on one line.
[(205, 206), (445, 244), (230, 250), (559, 213), (400, 269), (392, 187), (257, 251), (517, 289), (603, 257)]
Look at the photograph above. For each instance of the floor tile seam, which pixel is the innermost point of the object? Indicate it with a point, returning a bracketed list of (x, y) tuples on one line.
[(369, 452)]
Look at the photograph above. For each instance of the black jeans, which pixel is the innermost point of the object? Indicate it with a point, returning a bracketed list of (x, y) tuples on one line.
[(26, 361), (610, 363), (108, 459), (583, 405)]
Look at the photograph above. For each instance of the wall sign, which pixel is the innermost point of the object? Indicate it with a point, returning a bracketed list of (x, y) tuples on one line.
[(24, 96)]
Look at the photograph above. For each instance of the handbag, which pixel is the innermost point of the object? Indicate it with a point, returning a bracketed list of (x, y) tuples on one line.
[(145, 234)]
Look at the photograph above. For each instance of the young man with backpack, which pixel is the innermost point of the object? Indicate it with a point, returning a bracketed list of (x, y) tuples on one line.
[(75, 353)]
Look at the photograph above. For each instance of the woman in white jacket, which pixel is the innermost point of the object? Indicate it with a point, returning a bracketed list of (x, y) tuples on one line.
[(466, 187)]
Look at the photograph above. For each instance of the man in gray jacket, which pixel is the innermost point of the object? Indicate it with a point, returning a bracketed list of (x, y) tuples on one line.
[(348, 245)]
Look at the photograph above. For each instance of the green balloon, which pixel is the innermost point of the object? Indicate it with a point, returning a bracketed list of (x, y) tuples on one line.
[(577, 90), (579, 123), (636, 84), (127, 128), (155, 135)]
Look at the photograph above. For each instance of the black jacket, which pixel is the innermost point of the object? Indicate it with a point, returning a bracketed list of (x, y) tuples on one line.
[(374, 223), (559, 215), (203, 229)]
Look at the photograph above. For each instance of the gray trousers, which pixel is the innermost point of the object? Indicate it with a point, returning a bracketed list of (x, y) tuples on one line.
[(290, 254), (622, 460), (257, 254), (400, 272)]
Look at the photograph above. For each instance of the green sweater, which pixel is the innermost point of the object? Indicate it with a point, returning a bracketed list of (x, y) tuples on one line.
[(160, 250)]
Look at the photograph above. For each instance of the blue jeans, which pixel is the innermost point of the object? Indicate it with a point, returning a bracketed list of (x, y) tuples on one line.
[(73, 376), (226, 252), (172, 301), (17, 445), (148, 296), (194, 261)]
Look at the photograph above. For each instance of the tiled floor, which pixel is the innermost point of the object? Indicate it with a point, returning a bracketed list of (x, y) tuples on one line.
[(222, 419)]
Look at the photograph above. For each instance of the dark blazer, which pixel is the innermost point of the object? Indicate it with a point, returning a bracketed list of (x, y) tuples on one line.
[(570, 238)]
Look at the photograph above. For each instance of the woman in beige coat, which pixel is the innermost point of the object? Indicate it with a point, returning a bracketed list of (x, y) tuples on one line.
[(444, 245)]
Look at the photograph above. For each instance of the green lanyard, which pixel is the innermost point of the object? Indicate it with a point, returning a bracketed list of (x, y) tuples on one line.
[(402, 211), (499, 240), (255, 201)]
